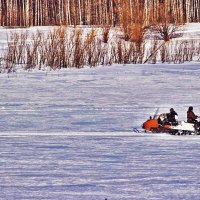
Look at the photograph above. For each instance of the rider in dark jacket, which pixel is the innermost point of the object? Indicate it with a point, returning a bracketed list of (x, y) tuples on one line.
[(171, 116)]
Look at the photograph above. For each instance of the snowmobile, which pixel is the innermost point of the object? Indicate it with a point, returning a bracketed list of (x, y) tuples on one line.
[(160, 124)]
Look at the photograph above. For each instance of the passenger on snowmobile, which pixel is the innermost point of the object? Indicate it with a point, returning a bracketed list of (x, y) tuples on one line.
[(191, 117), (171, 117)]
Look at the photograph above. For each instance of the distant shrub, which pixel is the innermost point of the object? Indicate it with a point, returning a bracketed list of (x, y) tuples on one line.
[(65, 47)]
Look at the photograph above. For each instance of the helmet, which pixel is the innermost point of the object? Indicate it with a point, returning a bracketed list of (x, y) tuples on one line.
[(171, 109), (190, 108)]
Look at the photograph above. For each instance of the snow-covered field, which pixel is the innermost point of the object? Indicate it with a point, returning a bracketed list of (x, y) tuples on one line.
[(68, 134), (104, 99)]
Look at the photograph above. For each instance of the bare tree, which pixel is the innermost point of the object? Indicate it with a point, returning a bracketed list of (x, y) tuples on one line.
[(166, 29)]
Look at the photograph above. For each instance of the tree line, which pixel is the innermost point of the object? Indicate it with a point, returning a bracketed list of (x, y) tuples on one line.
[(94, 12)]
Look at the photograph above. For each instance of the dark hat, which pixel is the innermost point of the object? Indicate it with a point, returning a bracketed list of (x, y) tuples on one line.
[(190, 108)]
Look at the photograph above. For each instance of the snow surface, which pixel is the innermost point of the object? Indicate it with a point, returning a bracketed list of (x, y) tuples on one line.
[(97, 167), (68, 134)]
